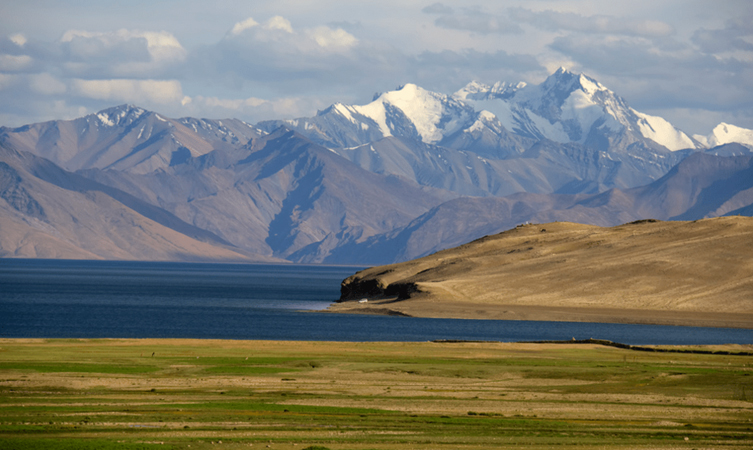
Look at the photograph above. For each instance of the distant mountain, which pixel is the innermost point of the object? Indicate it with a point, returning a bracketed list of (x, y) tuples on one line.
[(47, 212), (126, 138), (570, 107), (566, 108), (725, 133), (410, 112), (411, 172), (501, 139), (280, 196), (701, 186)]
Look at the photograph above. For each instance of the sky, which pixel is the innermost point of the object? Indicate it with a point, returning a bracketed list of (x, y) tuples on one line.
[(688, 61)]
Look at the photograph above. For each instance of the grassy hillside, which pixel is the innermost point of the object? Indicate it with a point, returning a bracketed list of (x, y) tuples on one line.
[(690, 273)]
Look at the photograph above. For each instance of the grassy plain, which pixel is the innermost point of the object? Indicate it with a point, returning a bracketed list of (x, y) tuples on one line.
[(201, 394)]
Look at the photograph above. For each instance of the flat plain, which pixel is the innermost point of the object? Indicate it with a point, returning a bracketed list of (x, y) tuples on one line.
[(201, 394)]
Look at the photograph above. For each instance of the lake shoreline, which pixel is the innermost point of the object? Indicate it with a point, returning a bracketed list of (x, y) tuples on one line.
[(435, 309)]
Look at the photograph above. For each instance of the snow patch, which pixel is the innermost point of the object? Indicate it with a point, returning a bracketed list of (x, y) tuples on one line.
[(552, 131), (580, 108), (105, 119), (344, 111), (483, 118), (662, 132), (376, 112), (590, 87)]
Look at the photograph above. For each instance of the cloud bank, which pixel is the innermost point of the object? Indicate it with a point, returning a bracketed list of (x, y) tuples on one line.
[(687, 60)]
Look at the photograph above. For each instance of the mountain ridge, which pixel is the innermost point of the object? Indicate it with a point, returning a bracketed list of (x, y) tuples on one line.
[(394, 178)]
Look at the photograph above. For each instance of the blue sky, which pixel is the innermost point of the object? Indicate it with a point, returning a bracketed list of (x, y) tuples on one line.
[(688, 61)]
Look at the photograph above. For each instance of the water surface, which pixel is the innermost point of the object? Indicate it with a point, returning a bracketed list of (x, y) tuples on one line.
[(117, 299)]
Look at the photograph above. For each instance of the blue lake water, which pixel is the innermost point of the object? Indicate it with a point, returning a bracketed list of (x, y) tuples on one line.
[(115, 299)]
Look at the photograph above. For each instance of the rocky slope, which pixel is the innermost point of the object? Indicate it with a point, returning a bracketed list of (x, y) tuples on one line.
[(700, 186), (126, 138), (47, 212)]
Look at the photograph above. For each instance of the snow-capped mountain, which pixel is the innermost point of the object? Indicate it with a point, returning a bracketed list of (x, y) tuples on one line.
[(572, 108), (725, 133), (467, 142), (147, 186), (504, 118), (410, 111)]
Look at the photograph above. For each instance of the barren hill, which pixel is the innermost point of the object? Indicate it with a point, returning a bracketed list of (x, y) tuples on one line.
[(685, 273)]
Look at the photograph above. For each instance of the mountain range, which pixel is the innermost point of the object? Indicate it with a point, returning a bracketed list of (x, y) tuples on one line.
[(410, 173)]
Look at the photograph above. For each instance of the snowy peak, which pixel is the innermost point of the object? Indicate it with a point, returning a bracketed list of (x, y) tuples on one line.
[(562, 83), (572, 107), (725, 133), (569, 96), (122, 115), (479, 91), (567, 108), (432, 115)]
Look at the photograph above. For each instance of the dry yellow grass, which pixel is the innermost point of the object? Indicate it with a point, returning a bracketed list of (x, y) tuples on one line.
[(684, 273)]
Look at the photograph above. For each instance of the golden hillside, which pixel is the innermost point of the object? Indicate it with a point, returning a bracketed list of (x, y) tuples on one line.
[(687, 273)]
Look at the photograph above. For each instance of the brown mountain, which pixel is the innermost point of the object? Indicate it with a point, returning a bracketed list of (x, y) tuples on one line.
[(278, 194), (126, 138), (690, 273), (278, 197), (702, 185), (47, 212)]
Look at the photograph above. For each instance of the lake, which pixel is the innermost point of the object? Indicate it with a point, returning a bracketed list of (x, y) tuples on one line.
[(122, 299)]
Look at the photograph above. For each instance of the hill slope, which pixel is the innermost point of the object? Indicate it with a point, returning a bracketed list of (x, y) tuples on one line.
[(47, 212), (701, 186), (698, 273)]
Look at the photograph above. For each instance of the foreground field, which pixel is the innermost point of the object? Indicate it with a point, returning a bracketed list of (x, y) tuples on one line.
[(200, 394)]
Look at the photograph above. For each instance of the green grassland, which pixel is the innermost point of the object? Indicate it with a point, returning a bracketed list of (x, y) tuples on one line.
[(201, 394)]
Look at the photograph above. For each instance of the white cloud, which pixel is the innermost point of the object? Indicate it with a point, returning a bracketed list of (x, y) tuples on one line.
[(46, 84), (18, 39), (472, 19), (15, 63), (557, 21), (278, 31), (8, 80), (131, 91), (160, 45), (239, 27), (279, 23), (437, 8), (253, 108), (333, 39)]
